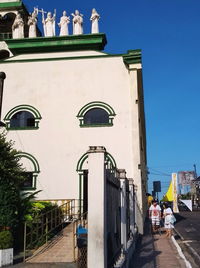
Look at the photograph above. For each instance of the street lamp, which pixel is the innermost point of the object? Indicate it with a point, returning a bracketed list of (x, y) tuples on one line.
[(2, 78)]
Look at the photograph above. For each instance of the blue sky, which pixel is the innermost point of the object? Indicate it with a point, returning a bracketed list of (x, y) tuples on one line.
[(168, 32)]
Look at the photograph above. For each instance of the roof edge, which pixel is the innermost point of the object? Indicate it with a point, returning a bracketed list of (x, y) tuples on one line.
[(57, 43)]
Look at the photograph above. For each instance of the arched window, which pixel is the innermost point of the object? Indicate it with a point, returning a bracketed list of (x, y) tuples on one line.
[(31, 170), (22, 117), (96, 114)]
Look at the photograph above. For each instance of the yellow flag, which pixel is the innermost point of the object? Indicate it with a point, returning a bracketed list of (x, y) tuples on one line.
[(169, 195)]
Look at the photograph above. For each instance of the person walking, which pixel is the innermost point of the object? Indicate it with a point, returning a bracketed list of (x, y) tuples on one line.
[(155, 215), (168, 219)]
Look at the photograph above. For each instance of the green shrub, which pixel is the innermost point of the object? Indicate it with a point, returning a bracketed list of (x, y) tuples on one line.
[(6, 240), (38, 208)]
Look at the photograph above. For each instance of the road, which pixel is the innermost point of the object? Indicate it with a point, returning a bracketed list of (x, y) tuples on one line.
[(188, 227)]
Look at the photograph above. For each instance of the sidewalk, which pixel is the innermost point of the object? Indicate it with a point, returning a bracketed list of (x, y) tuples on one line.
[(156, 251)]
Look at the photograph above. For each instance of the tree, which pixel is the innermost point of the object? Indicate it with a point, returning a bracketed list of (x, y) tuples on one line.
[(11, 179)]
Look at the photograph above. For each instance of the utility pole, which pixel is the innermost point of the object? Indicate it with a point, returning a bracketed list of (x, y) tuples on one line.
[(195, 171), (2, 78)]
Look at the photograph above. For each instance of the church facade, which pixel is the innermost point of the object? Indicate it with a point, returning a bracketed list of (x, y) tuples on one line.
[(63, 94)]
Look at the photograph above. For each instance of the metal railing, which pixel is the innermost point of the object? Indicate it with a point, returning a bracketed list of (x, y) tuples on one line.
[(45, 226), (113, 222)]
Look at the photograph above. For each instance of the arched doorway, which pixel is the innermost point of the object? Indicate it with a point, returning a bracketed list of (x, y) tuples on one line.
[(82, 169)]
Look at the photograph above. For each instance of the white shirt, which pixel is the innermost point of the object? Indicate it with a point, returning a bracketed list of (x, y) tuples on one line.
[(155, 210)]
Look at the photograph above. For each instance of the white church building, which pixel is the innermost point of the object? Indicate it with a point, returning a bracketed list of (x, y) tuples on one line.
[(63, 94)]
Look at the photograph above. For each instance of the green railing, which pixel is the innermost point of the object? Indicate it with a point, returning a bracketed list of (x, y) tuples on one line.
[(44, 227)]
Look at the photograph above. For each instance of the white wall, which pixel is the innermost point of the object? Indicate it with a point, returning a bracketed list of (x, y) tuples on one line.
[(59, 89)]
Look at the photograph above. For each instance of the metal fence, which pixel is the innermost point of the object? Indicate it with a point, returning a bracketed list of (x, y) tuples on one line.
[(127, 210), (113, 218)]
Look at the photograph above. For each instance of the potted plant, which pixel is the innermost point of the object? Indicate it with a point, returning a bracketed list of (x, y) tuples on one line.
[(6, 248)]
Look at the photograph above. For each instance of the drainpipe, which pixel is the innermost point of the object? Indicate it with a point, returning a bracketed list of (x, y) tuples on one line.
[(2, 77)]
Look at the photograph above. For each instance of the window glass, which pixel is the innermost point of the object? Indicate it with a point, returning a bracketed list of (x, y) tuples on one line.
[(22, 119), (28, 182), (96, 116)]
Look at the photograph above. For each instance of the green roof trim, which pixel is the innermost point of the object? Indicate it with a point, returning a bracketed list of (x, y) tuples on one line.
[(57, 43), (132, 57), (124, 56), (10, 4)]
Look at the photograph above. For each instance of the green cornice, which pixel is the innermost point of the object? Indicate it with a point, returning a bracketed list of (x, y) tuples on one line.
[(132, 57), (57, 43), (9, 5)]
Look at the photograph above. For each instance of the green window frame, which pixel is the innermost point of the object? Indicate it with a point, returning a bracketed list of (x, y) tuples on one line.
[(23, 108), (32, 173), (96, 105)]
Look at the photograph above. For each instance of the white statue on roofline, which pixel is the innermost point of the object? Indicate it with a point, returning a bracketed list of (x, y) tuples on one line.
[(32, 23), (63, 24), (77, 23), (95, 21), (49, 24), (18, 27)]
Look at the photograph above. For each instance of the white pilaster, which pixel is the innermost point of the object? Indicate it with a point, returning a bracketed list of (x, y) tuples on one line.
[(97, 247)]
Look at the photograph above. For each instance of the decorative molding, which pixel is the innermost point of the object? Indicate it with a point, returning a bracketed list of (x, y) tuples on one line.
[(57, 43), (132, 57), (19, 108), (32, 159), (109, 158)]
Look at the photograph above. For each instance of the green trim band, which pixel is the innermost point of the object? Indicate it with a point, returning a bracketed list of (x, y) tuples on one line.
[(10, 4), (32, 159), (57, 43), (71, 58)]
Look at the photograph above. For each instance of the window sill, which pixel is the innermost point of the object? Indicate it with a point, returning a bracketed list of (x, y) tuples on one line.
[(28, 188), (22, 128), (97, 125)]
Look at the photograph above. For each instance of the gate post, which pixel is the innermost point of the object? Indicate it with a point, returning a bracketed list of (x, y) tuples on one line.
[(97, 246)]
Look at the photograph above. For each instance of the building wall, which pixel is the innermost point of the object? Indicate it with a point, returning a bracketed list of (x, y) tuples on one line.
[(59, 89)]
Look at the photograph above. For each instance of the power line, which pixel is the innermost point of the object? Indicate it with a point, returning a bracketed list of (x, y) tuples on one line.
[(156, 174), (160, 172)]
